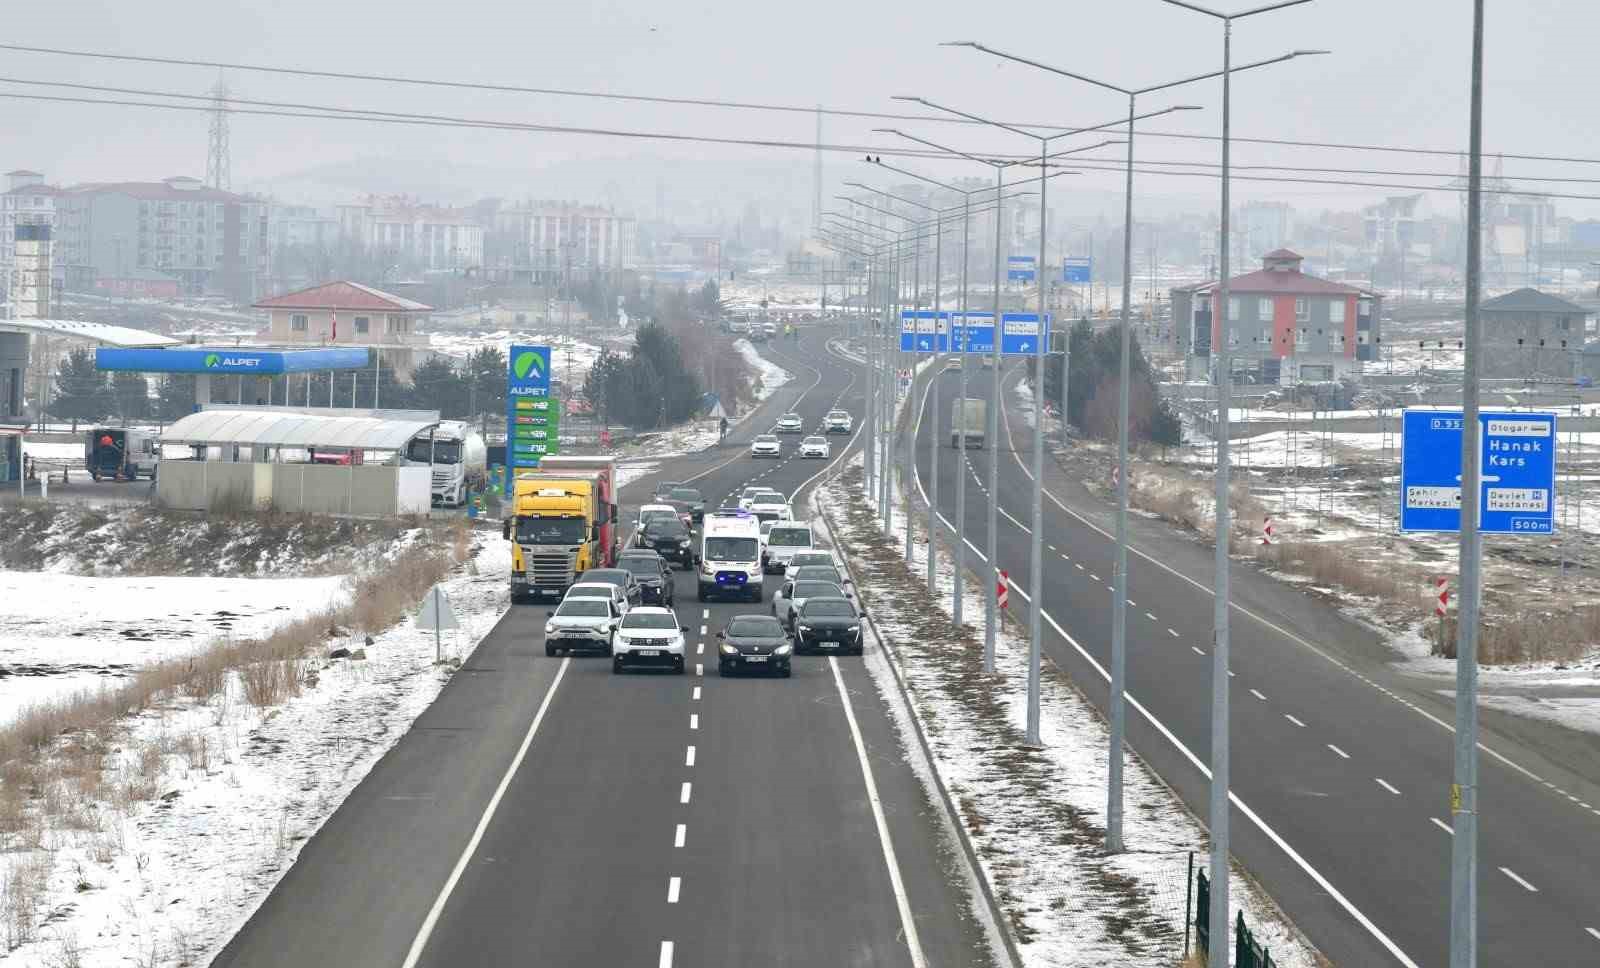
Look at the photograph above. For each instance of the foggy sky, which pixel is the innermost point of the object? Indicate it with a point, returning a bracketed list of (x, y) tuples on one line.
[(1397, 76)]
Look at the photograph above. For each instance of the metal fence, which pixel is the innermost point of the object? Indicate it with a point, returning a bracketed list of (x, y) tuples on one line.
[(1247, 952)]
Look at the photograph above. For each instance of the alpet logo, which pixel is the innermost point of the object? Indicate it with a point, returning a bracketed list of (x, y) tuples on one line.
[(213, 361), (527, 362)]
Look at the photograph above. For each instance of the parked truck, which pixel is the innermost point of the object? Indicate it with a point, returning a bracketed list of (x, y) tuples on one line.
[(976, 413), (459, 458), (121, 453), (562, 521)]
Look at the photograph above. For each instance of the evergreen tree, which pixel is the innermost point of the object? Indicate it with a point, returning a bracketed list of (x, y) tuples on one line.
[(131, 393), (82, 392), (486, 378), (436, 385), (175, 397)]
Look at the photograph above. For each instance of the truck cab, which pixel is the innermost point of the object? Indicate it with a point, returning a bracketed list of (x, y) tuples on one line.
[(459, 458), (562, 522)]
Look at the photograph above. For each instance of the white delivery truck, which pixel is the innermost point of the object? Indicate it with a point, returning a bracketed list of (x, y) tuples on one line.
[(730, 556), (459, 458)]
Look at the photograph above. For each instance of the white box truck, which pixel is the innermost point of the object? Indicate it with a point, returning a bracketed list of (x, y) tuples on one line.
[(976, 413)]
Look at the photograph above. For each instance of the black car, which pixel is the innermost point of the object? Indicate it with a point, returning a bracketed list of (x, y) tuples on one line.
[(620, 577), (753, 643), (687, 499), (656, 585), (663, 488), (828, 625), (668, 538)]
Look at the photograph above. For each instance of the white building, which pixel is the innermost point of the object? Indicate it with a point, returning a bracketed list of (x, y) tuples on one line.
[(27, 200), (431, 236), (544, 239)]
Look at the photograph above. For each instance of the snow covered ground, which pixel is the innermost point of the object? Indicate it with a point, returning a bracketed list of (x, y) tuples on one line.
[(575, 354), (236, 792), (62, 633), (1036, 817), (772, 376), (695, 435)]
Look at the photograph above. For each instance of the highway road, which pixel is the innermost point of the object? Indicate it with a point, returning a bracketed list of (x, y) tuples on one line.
[(1341, 768), (546, 812)]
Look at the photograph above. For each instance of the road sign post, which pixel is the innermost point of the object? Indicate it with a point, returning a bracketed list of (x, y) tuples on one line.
[(437, 613), (1517, 480)]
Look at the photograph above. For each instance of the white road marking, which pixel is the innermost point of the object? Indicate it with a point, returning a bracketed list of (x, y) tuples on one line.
[(688, 759), (420, 942), (1093, 576), (1595, 934), (1008, 517), (908, 924), (1149, 615), (1303, 726), (694, 720), (683, 794), (1172, 632), (1385, 784), (1078, 565), (699, 669), (1052, 547), (700, 648), (702, 630), (1065, 558), (1513, 875), (678, 838), (1257, 693), (666, 955), (673, 887), (1442, 826), (705, 613), (1197, 650), (696, 694), (1342, 753)]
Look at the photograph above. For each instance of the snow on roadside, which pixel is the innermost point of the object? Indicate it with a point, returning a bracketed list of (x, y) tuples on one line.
[(630, 471), (1036, 817), (237, 792), (698, 434), (770, 375), (1573, 712)]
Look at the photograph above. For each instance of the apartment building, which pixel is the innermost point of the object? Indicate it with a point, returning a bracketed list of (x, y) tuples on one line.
[(27, 201), (539, 241), (431, 237)]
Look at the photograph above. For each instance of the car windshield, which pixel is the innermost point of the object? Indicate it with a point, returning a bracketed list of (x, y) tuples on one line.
[(755, 626), (807, 558), (584, 608), (837, 415), (664, 488), (828, 608), (443, 451), (643, 567), (610, 576), (555, 531), (816, 589), (789, 538), (687, 494), (792, 417), (732, 549), (645, 517), (826, 573), (766, 439), (665, 526), (650, 620), (815, 442), (592, 591)]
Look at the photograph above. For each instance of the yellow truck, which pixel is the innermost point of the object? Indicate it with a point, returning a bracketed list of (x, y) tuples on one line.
[(562, 521)]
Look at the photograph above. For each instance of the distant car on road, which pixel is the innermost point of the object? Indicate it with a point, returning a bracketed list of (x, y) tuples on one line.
[(784, 540), (802, 559), (826, 625), (649, 637), (814, 447), (837, 422), (748, 496), (790, 423), (690, 499), (766, 445), (669, 538), (581, 623), (771, 507), (753, 643), (601, 589), (656, 583), (647, 511), (663, 489)]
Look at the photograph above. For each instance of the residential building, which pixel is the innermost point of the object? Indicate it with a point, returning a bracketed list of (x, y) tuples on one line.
[(349, 314), (27, 200), (419, 237), (209, 240), (540, 240), (1284, 326), (301, 225), (1528, 334)]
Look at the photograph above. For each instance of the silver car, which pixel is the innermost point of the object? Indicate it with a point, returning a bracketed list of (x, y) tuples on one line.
[(793, 594)]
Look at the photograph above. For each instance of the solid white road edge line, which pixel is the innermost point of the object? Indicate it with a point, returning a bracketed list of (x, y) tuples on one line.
[(1442, 826), (908, 923), (420, 942), (1295, 721), (1342, 754), (1513, 875)]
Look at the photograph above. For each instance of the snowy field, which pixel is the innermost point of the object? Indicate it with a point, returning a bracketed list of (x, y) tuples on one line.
[(62, 633), (1035, 817), (575, 354), (168, 880)]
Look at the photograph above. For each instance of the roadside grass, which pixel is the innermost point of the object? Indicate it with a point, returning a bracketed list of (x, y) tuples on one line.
[(73, 770)]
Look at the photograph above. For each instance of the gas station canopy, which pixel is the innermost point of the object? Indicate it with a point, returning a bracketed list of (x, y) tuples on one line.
[(231, 361), (104, 333), (257, 427)]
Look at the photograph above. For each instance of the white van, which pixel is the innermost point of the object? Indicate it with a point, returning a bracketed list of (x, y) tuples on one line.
[(784, 541), (730, 556)]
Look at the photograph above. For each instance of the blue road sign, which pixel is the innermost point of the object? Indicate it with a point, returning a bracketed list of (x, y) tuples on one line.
[(1020, 268), (1517, 451), (527, 386), (1075, 270), (976, 330), (920, 329)]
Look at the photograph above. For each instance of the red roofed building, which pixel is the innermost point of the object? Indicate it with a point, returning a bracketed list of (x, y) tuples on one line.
[(1283, 325), (366, 317)]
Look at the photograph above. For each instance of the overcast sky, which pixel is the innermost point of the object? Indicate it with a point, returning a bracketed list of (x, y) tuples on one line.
[(1398, 75)]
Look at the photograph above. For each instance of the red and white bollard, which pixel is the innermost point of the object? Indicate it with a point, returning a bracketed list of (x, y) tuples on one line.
[(1267, 530), (1004, 591)]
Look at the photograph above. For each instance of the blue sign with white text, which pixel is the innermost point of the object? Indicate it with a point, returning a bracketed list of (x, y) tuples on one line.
[(922, 330), (976, 331), (1518, 461), (527, 388), (1020, 268), (230, 360), (1075, 270)]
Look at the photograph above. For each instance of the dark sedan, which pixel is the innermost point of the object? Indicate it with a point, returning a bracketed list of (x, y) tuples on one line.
[(828, 625), (753, 643), (688, 499), (667, 537), (656, 585)]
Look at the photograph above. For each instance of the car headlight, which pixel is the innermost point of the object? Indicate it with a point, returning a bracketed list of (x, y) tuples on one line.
[(854, 630), (754, 569), (549, 629), (783, 650), (802, 628), (727, 649), (683, 542)]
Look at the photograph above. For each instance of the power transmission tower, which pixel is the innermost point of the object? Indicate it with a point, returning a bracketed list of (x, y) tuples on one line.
[(218, 166)]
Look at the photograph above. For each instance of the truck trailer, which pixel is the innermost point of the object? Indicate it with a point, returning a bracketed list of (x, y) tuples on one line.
[(976, 413), (562, 521)]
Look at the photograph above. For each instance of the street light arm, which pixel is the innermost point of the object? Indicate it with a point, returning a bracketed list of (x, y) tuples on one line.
[(1073, 151), (874, 208), (1235, 70), (879, 191), (970, 117), (1044, 67), (1197, 8), (992, 163)]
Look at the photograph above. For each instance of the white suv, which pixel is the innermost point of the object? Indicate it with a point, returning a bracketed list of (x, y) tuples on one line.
[(581, 623), (650, 637), (766, 445), (837, 422)]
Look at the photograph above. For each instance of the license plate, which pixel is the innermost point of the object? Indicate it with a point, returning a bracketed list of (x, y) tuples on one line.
[(649, 652), (755, 658), (829, 644)]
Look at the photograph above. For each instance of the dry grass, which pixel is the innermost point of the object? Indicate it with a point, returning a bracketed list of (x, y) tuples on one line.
[(24, 882)]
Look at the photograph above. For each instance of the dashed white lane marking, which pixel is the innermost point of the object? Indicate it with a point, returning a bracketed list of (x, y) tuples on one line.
[(699, 669), (1385, 784), (1593, 933), (1150, 616), (1442, 826), (666, 955), (683, 794), (1065, 558), (688, 759), (702, 630), (696, 694), (694, 720), (1300, 724), (1522, 881), (705, 613), (1078, 565), (1257, 693), (673, 887), (1198, 650), (700, 648), (1052, 547), (1342, 754), (681, 835), (1172, 632)]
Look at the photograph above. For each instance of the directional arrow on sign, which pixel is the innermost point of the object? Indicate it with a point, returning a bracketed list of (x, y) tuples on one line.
[(1485, 478), (1025, 345), (925, 344)]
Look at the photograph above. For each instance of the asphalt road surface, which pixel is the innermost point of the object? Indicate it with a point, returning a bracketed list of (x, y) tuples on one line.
[(1345, 769), (544, 811)]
